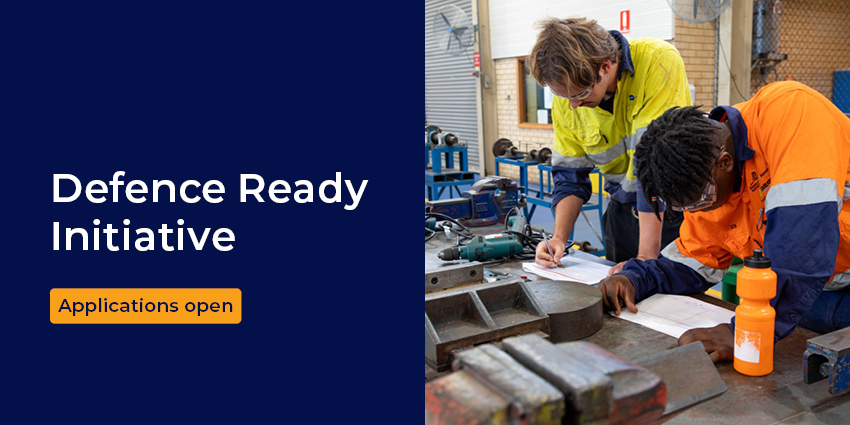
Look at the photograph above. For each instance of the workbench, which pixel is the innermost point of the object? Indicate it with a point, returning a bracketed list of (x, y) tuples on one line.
[(780, 397)]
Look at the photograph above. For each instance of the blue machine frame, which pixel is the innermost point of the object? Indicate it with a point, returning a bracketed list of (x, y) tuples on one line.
[(523, 174), (543, 197), (438, 179)]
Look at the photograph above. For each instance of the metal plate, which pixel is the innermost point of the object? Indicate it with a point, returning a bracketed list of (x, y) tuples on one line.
[(574, 309), (837, 342), (465, 317), (688, 373), (453, 275)]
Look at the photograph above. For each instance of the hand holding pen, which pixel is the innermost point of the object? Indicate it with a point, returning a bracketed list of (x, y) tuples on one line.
[(550, 251)]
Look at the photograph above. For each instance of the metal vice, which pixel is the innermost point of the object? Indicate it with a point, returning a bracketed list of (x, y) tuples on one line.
[(487, 202), (828, 356), (536, 382)]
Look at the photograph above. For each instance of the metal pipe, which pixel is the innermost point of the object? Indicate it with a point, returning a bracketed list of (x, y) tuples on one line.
[(716, 56)]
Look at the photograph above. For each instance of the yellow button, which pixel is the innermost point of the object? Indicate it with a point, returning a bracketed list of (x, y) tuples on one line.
[(145, 305)]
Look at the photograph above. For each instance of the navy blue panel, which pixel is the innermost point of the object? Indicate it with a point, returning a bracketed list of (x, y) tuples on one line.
[(802, 242), (571, 181), (208, 91), (663, 276)]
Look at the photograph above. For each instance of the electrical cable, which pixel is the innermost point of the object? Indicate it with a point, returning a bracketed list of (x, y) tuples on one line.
[(528, 237), (466, 234), (495, 262), (598, 236), (447, 218), (431, 236), (732, 77), (461, 230)]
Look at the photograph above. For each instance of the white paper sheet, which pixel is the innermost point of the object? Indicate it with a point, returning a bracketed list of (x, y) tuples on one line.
[(547, 97), (572, 268), (675, 314)]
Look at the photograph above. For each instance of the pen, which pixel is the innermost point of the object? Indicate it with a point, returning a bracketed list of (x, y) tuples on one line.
[(546, 239)]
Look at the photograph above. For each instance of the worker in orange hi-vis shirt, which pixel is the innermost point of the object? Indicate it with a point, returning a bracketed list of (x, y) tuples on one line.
[(770, 172)]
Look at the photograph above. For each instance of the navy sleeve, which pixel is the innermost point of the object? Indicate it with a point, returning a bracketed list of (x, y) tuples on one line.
[(663, 276), (643, 205), (571, 181), (802, 243)]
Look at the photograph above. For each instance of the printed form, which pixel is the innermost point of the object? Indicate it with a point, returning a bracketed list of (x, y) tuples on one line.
[(573, 269), (675, 314)]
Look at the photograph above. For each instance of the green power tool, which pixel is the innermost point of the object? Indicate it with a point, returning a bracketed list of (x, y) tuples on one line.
[(486, 247)]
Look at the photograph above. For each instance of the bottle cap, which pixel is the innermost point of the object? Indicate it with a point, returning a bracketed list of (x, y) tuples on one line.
[(757, 261)]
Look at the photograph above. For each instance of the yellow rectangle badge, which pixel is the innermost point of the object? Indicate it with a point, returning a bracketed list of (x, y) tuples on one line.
[(146, 305)]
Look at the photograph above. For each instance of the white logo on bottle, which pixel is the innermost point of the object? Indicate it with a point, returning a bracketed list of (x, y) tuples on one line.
[(747, 345)]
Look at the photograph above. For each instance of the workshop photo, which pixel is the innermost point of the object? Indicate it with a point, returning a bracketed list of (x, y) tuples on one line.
[(637, 212)]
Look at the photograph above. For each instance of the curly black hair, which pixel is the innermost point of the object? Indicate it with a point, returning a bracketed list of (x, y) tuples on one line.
[(674, 158)]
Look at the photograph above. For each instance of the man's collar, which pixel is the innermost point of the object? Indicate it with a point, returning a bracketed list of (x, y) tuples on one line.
[(739, 132), (626, 60), (743, 152)]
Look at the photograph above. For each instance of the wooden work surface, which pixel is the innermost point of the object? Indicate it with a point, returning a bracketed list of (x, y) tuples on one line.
[(781, 397)]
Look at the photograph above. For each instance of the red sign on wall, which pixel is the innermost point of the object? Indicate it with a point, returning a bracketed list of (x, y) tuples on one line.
[(476, 59), (625, 22)]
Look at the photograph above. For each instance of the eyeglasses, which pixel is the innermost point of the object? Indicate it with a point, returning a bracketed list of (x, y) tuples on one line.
[(709, 195), (583, 95)]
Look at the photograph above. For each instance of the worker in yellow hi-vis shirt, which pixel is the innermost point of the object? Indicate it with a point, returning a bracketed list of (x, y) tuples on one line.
[(608, 89)]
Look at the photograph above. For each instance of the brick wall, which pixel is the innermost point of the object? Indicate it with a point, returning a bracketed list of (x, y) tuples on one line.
[(508, 125), (695, 43), (814, 36)]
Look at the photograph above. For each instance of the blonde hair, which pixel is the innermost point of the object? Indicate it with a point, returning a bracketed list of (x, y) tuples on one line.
[(571, 50)]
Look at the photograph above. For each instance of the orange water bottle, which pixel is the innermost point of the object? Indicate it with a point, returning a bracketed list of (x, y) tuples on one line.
[(754, 317)]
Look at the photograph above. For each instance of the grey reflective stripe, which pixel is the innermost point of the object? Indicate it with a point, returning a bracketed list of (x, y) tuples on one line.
[(671, 252), (846, 191), (802, 192), (610, 154), (838, 282), (633, 140), (629, 185), (559, 160), (614, 178)]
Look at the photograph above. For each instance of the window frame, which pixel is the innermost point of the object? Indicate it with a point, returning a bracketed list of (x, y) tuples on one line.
[(520, 86)]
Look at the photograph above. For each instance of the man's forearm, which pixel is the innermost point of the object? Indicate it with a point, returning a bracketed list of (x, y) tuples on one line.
[(566, 213), (650, 235)]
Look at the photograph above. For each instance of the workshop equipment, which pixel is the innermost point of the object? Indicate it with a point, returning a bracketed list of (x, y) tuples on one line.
[(486, 247), (443, 139), (465, 317), (828, 356), (688, 373), (506, 148), (487, 202), (601, 387), (430, 225), (432, 135), (542, 156), (532, 399), (460, 398), (448, 139), (595, 385), (591, 384), (435, 137), (754, 317), (441, 151), (454, 275), (574, 309)]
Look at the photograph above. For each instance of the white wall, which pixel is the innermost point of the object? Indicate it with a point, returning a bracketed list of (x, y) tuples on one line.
[(512, 31)]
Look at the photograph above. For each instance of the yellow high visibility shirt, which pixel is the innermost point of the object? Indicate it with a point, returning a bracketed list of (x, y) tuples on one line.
[(653, 80)]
